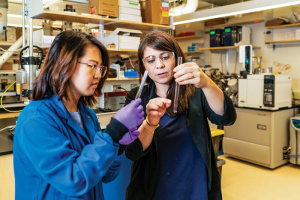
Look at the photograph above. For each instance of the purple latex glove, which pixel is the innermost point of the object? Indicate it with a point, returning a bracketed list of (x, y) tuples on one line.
[(131, 115), (129, 137)]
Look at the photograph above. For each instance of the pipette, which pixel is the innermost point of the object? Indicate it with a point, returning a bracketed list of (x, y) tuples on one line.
[(177, 88), (142, 85)]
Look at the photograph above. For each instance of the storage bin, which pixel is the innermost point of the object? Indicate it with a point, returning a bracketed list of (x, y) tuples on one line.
[(123, 39), (131, 74), (295, 139)]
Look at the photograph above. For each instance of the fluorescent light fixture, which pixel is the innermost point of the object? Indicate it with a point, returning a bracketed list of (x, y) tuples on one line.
[(20, 25), (233, 9), (13, 15)]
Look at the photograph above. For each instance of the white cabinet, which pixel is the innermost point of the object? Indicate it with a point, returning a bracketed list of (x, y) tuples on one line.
[(259, 136)]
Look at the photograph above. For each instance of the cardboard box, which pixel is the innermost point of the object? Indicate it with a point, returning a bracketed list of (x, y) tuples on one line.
[(130, 11), (40, 39), (104, 7), (124, 39), (127, 17), (129, 4), (155, 11), (7, 66)]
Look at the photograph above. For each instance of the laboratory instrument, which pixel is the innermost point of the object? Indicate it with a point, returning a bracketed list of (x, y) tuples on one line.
[(265, 91)]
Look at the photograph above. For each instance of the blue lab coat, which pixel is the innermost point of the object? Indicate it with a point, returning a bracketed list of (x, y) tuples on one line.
[(54, 158)]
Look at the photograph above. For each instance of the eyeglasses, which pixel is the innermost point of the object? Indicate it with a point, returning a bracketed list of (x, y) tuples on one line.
[(165, 57), (96, 68)]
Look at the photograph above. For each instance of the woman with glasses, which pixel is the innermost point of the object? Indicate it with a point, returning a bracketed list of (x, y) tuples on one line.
[(173, 157), (59, 149)]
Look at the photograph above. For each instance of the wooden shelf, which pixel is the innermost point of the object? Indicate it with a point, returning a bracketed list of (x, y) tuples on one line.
[(8, 71), (122, 51), (8, 115), (281, 41), (123, 79), (283, 26), (135, 25), (112, 79), (62, 16), (188, 37), (192, 52), (224, 48), (235, 23), (112, 51), (218, 48), (129, 79), (110, 24)]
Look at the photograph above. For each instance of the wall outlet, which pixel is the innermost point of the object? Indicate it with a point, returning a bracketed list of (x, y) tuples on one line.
[(115, 88)]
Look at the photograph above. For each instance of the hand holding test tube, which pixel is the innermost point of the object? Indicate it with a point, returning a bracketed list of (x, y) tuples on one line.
[(177, 88), (142, 85)]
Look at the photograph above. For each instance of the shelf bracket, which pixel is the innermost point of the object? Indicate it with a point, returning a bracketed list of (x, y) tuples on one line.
[(227, 62)]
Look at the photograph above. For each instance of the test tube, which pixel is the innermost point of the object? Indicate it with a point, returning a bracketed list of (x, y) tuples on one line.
[(177, 88), (142, 85)]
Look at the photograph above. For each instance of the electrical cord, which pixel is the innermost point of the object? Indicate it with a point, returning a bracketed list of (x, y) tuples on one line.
[(122, 89), (11, 128), (130, 62), (2, 98)]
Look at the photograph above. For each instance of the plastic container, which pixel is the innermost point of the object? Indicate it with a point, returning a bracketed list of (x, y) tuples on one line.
[(131, 74)]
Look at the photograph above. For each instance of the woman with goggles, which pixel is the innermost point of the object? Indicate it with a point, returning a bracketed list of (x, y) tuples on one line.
[(173, 157)]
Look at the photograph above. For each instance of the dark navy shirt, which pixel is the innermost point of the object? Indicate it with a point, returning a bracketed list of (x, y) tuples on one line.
[(181, 170)]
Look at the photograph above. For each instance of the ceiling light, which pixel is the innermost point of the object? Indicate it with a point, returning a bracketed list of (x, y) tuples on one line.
[(20, 25), (234, 9)]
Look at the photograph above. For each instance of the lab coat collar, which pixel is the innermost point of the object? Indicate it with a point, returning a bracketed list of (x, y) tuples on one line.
[(64, 113)]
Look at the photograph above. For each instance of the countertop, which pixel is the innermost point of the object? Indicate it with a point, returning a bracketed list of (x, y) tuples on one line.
[(269, 110)]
